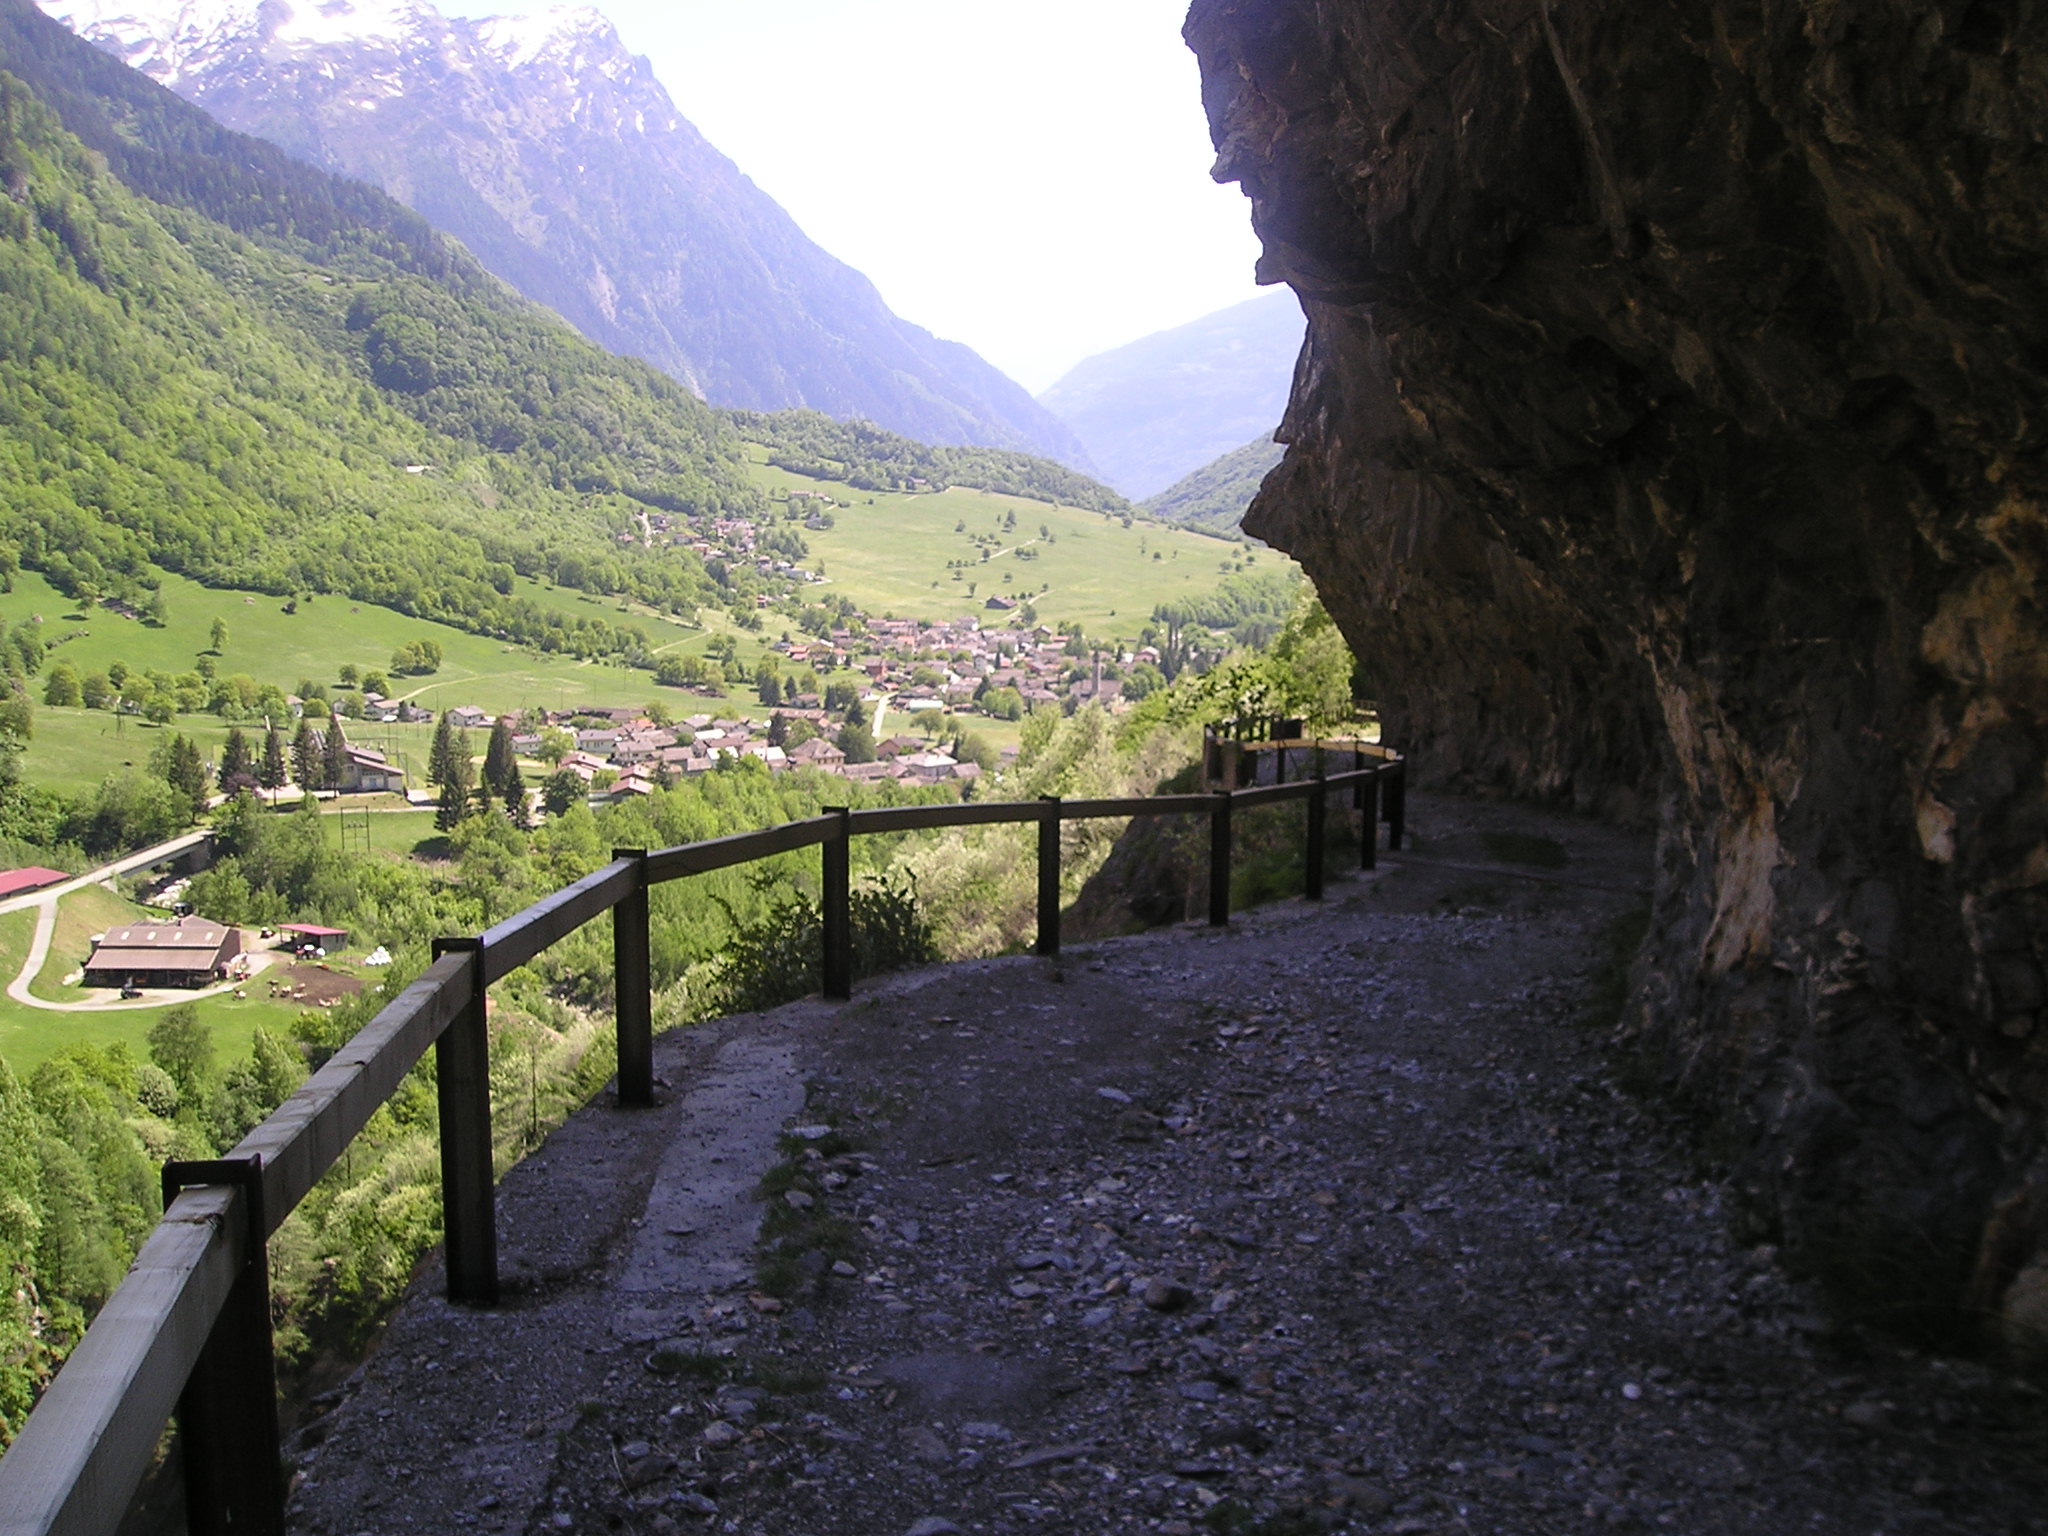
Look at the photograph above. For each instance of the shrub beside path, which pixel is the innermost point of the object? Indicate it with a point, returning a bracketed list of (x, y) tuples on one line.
[(1335, 1220)]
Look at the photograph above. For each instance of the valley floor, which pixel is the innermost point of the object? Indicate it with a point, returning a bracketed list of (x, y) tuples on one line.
[(1334, 1220)]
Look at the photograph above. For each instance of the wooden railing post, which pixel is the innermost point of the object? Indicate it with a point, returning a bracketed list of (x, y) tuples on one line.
[(837, 854), (633, 987), (227, 1414), (1318, 833), (462, 1081), (1369, 821), (1049, 875), (1397, 805), (1219, 862)]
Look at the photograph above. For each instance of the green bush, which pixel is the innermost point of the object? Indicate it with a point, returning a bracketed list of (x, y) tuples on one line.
[(779, 955)]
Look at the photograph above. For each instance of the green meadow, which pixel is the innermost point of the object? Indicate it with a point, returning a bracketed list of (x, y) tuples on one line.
[(30, 1036), (902, 554)]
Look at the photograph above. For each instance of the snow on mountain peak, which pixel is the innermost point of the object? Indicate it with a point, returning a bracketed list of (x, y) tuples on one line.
[(168, 39), (520, 40)]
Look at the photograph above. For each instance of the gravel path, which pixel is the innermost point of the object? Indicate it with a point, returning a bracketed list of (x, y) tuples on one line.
[(1332, 1221)]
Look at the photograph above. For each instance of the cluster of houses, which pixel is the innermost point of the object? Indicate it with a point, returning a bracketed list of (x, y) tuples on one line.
[(633, 756), (897, 656)]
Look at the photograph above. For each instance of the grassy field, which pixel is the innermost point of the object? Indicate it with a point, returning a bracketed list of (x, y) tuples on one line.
[(891, 554), (80, 916), (30, 1036), (315, 642)]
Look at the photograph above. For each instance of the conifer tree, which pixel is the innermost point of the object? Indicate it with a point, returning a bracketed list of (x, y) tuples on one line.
[(515, 796), (440, 752), (270, 772), (457, 780), (235, 760), (334, 755), (500, 760), (306, 763)]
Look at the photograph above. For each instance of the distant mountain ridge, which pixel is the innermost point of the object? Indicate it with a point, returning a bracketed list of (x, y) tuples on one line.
[(559, 159), (1214, 497), (1167, 404)]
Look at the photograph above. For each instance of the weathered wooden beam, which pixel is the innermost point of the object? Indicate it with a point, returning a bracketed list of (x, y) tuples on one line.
[(838, 907), (1049, 876), (546, 923), (633, 985), (80, 1457)]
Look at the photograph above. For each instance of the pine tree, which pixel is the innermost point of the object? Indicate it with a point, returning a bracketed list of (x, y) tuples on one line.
[(235, 760), (306, 764), (515, 796), (500, 761), (455, 784), (270, 773), (334, 755), (440, 752)]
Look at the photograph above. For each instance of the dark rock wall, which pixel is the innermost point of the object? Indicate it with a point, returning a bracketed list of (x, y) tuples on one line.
[(1669, 440)]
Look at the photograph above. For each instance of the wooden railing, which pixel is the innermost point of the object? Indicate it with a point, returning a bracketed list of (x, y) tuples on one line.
[(187, 1334)]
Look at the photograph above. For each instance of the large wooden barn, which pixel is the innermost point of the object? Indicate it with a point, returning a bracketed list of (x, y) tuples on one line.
[(189, 952)]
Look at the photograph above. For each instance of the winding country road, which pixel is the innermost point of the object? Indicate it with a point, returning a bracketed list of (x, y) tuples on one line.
[(45, 904)]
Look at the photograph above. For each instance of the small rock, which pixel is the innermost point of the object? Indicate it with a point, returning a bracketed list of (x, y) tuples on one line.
[(720, 1433), (1114, 1095), (1163, 1295), (1024, 1290), (811, 1132), (695, 1503), (1631, 1391), (1036, 1260), (979, 1429), (1865, 1415), (926, 1446), (843, 1269), (1355, 1493), (1201, 1391), (799, 1200), (933, 1525), (647, 1470), (1098, 1317), (910, 1231), (635, 1450)]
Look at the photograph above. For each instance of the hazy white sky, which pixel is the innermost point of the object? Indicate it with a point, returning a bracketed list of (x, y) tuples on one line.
[(1030, 179)]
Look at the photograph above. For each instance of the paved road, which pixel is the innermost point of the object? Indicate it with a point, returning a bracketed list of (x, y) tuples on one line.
[(45, 904), (120, 866)]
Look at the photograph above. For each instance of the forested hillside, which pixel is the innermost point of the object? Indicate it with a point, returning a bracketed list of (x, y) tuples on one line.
[(862, 455), (1215, 496), (325, 397)]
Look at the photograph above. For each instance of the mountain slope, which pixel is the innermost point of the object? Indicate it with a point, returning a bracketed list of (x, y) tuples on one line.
[(1215, 496), (1167, 404), (386, 422), (559, 159)]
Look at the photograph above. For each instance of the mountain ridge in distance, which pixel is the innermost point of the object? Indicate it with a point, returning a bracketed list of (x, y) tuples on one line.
[(560, 161), (1163, 406), (1213, 499)]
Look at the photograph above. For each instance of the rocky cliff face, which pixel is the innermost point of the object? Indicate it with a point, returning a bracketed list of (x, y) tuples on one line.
[(558, 158), (1669, 438)]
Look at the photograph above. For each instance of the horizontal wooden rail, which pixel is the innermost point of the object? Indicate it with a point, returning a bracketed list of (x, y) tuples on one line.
[(921, 818), (741, 848), (1139, 805), (78, 1459), (518, 939), (306, 1135), (1274, 794)]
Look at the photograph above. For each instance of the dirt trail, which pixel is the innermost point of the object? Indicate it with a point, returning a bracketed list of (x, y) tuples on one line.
[(1333, 1220)]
